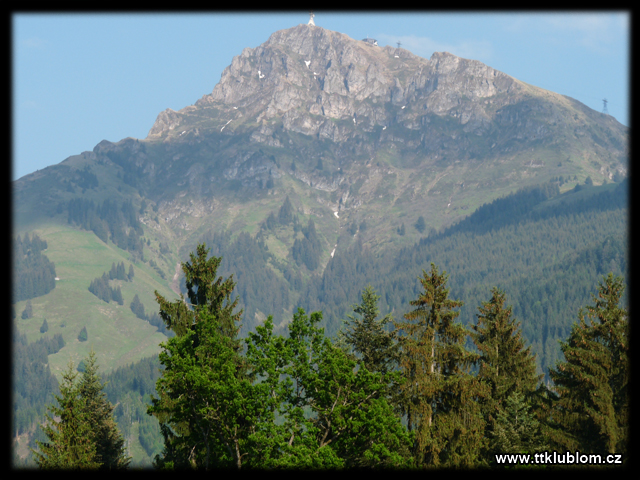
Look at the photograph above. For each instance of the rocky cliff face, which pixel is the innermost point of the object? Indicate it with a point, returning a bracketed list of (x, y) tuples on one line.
[(310, 77), (325, 85)]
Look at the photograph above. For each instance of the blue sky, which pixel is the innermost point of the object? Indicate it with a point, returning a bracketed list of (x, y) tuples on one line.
[(78, 79)]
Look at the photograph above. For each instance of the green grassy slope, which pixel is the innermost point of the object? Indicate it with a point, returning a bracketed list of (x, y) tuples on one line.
[(117, 336)]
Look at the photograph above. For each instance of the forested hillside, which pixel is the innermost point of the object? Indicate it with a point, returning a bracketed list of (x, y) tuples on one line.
[(545, 249), (415, 396)]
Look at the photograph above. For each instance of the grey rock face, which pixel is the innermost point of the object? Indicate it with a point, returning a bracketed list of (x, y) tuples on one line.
[(167, 120), (307, 71), (326, 86)]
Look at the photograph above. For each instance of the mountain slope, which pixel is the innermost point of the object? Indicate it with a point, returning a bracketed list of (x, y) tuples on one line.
[(361, 139)]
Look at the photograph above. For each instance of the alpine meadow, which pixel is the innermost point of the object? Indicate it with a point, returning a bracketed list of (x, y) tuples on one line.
[(344, 256)]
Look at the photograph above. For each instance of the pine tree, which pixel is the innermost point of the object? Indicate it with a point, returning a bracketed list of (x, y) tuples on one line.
[(28, 311), (285, 215), (367, 336), (131, 273), (113, 273), (505, 364), (439, 396), (421, 225), (108, 440), (82, 336), (592, 411), (70, 444), (44, 328), (137, 307)]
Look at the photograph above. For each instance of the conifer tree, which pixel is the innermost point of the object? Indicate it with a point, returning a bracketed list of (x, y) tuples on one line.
[(285, 215), (193, 396), (116, 295), (204, 290), (108, 440), (28, 311), (70, 444), (516, 430), (45, 327), (592, 384), (505, 364), (82, 336), (367, 335), (137, 307), (439, 396), (120, 271)]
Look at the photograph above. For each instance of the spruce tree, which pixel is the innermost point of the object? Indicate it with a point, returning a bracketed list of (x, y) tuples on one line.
[(204, 290), (206, 324), (116, 295), (592, 384), (113, 273), (120, 271), (367, 336), (137, 307), (82, 336), (70, 444), (516, 430), (505, 364), (439, 396), (28, 311), (44, 328), (285, 215), (108, 440)]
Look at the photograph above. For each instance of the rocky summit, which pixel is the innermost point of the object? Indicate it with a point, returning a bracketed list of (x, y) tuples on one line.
[(325, 85)]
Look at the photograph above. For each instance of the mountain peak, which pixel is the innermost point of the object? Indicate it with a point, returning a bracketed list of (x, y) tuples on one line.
[(327, 86), (307, 75)]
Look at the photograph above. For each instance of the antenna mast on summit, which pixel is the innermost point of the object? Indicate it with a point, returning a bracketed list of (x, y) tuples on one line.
[(311, 22), (398, 43), (604, 106)]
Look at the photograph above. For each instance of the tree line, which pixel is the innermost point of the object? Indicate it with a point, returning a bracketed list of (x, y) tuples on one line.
[(108, 222), (416, 395)]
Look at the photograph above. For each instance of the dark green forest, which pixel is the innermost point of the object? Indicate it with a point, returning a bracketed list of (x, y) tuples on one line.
[(34, 275)]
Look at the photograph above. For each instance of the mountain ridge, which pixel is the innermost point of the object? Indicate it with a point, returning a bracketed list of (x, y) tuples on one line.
[(363, 140)]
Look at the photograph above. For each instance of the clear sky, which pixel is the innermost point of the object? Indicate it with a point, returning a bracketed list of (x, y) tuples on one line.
[(78, 79)]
